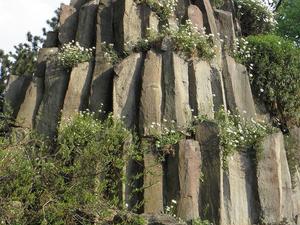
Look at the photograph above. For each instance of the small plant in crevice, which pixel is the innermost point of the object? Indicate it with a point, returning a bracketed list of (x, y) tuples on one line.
[(110, 54), (163, 8), (274, 68), (71, 54), (254, 16), (166, 136), (171, 209)]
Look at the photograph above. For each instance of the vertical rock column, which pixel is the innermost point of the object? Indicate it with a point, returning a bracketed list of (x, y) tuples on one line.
[(78, 90), (150, 112), (68, 21), (56, 83), (274, 181), (189, 179), (101, 90)]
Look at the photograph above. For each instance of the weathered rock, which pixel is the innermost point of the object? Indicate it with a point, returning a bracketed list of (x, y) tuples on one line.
[(56, 83), (101, 90), (126, 89), (274, 181), (239, 201), (86, 31), (196, 16), (77, 95), (51, 39), (201, 96), (15, 93), (68, 22), (44, 55), (296, 197), (153, 183), (226, 27), (176, 89), (210, 24), (207, 134), (151, 95), (189, 179), (78, 3), (127, 23), (217, 87), (29, 107), (181, 8), (237, 87)]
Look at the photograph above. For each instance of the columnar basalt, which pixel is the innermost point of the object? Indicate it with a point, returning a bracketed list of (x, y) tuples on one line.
[(158, 85)]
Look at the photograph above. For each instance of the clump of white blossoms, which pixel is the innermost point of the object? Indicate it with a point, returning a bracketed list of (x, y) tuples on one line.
[(163, 8), (255, 17), (71, 54)]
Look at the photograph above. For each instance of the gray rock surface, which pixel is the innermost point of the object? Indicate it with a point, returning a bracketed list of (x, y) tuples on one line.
[(151, 94), (86, 30), (153, 183), (274, 181), (176, 89), (237, 87), (51, 39), (68, 22), (126, 89), (196, 16), (189, 179), (15, 93), (29, 107), (78, 3), (128, 23), (201, 95), (56, 83), (77, 94)]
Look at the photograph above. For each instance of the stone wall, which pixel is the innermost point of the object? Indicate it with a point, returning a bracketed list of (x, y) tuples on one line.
[(156, 85)]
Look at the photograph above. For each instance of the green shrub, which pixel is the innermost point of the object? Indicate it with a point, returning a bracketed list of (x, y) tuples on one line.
[(71, 54), (254, 17), (75, 181), (274, 65)]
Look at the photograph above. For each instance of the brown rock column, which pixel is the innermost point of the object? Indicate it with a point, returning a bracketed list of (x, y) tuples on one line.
[(274, 181), (86, 31), (126, 92), (68, 22), (189, 179), (76, 98)]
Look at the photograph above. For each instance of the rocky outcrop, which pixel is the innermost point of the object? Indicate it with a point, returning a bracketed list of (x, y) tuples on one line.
[(153, 88)]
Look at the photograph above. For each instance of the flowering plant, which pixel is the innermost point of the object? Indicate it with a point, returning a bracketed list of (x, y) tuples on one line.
[(71, 54)]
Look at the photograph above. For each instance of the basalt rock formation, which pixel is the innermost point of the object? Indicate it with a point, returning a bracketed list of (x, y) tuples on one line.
[(159, 84)]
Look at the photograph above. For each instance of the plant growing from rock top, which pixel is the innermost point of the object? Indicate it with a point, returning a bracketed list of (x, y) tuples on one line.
[(163, 8), (71, 54), (254, 17)]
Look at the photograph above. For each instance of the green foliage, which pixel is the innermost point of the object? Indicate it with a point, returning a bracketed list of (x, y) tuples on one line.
[(254, 17), (200, 222), (172, 209), (275, 69), (71, 54), (186, 40), (163, 8), (239, 134), (110, 53), (166, 135), (76, 181), (288, 18), (217, 3)]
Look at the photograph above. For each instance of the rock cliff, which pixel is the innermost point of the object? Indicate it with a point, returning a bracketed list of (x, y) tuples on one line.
[(159, 84)]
